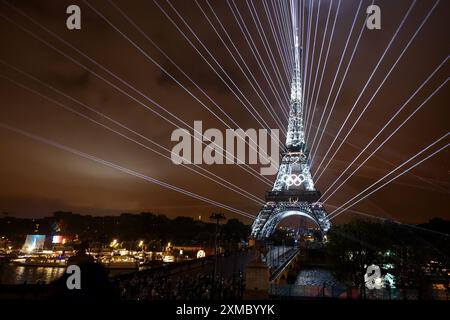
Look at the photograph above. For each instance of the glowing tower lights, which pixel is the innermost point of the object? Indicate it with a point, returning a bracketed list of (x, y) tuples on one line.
[(293, 192)]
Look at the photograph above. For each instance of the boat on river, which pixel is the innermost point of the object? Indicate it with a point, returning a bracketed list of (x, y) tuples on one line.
[(40, 261)]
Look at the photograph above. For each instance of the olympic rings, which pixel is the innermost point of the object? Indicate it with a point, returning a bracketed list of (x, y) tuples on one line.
[(293, 179)]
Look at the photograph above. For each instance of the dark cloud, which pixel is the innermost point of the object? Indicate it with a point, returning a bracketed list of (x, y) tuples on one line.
[(36, 179)]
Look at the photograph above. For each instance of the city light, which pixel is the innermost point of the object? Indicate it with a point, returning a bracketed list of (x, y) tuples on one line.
[(114, 243), (118, 139)]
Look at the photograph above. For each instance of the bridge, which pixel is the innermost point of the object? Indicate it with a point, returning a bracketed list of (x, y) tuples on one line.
[(280, 268)]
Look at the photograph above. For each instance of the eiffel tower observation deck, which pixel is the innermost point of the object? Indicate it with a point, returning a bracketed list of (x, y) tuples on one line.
[(293, 192)]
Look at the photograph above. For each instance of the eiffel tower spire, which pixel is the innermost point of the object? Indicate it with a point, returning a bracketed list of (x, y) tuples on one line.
[(293, 192), (295, 137)]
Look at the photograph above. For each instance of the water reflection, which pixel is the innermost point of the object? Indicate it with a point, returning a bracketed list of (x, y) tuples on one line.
[(11, 274), (316, 277)]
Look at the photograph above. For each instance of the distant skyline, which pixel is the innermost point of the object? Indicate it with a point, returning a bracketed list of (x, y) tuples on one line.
[(37, 179)]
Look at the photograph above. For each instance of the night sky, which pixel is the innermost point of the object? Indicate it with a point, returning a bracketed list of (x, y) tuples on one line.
[(38, 179)]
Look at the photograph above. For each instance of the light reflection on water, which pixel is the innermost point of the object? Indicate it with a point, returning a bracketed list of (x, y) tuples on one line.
[(316, 277), (11, 274)]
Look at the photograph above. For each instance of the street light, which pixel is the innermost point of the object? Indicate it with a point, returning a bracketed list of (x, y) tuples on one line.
[(217, 217)]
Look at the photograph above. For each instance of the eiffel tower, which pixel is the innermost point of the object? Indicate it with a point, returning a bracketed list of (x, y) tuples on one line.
[(293, 192)]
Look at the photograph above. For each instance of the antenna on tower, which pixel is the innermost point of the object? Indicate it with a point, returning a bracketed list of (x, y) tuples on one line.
[(294, 21)]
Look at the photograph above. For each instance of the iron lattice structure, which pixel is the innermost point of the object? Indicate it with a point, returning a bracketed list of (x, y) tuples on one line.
[(293, 192)]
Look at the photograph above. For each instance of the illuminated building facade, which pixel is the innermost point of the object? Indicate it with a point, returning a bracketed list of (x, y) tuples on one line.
[(34, 242)]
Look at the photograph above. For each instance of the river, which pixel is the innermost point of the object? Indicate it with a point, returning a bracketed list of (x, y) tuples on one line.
[(12, 274), (316, 277)]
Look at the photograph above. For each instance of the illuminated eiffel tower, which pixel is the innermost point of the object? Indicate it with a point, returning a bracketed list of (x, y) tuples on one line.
[(293, 192)]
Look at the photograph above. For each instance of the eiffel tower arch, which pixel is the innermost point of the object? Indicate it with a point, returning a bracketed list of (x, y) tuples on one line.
[(273, 213), (293, 193)]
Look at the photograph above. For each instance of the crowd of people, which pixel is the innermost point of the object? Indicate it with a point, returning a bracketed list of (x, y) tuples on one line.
[(198, 286)]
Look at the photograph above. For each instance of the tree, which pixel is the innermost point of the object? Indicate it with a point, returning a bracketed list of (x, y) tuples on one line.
[(399, 249)]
